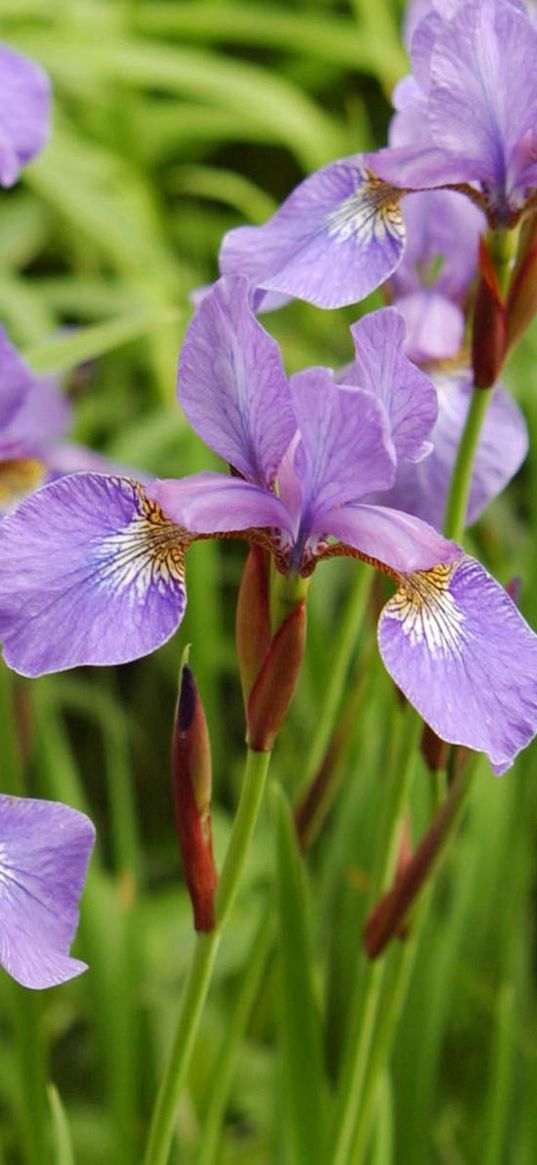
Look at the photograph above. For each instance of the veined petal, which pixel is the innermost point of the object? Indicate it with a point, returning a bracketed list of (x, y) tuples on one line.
[(24, 113), (210, 503), (381, 367), (443, 229), (345, 441), (459, 650), (400, 541), (483, 85), (33, 412), (423, 489), (232, 385), (44, 853), (335, 239), (91, 572)]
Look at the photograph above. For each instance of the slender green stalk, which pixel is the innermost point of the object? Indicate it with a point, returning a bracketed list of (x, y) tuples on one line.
[(367, 996), (205, 951), (348, 628), (11, 766), (459, 491)]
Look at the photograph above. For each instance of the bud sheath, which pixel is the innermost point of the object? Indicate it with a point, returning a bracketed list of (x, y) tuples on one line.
[(275, 685), (192, 780)]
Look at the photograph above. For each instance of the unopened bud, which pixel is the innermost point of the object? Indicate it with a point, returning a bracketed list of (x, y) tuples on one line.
[(489, 332), (275, 685), (253, 618), (192, 780), (522, 298)]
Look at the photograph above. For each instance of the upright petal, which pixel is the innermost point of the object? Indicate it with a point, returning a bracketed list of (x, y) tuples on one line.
[(335, 239), (459, 650), (345, 441), (44, 853), (381, 367), (91, 572), (422, 489), (443, 229), (24, 113), (232, 385), (434, 326)]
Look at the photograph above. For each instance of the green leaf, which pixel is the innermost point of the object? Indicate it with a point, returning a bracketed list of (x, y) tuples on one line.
[(62, 352), (305, 1087), (62, 1147)]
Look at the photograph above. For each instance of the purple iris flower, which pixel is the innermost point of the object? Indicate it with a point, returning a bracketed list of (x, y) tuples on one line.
[(467, 118), (431, 284), (468, 114), (34, 417), (44, 853), (24, 113), (91, 567), (422, 488)]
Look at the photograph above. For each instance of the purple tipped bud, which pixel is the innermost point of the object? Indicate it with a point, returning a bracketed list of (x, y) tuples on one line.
[(275, 685), (253, 618), (489, 334), (192, 781)]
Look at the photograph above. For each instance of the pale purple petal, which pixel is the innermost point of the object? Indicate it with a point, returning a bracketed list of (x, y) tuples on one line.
[(232, 385), (443, 229), (24, 113), (334, 239), (210, 503), (381, 367), (484, 86), (423, 489), (434, 326), (33, 411), (400, 541), (91, 572), (459, 650), (345, 441), (420, 167), (44, 853)]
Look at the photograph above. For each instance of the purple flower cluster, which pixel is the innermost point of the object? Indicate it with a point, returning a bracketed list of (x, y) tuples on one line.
[(355, 463), (44, 846)]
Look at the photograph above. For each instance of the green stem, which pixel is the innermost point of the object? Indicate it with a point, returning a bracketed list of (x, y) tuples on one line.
[(205, 951), (340, 658), (11, 766), (366, 1000), (459, 490)]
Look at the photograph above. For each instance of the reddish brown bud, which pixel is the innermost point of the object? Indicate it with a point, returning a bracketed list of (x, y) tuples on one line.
[(489, 333), (522, 298), (275, 685), (253, 618), (191, 781)]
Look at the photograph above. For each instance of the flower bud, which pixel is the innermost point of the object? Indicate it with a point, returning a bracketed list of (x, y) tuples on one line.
[(489, 332), (522, 298), (253, 618), (275, 685), (191, 781)]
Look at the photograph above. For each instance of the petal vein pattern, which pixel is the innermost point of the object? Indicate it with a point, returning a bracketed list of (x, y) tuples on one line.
[(462, 654), (91, 571)]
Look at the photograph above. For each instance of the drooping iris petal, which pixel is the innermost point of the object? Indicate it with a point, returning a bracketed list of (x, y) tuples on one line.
[(24, 113), (458, 648), (209, 503), (381, 367), (91, 572), (44, 853), (232, 385), (334, 239), (345, 441), (401, 541), (423, 489)]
